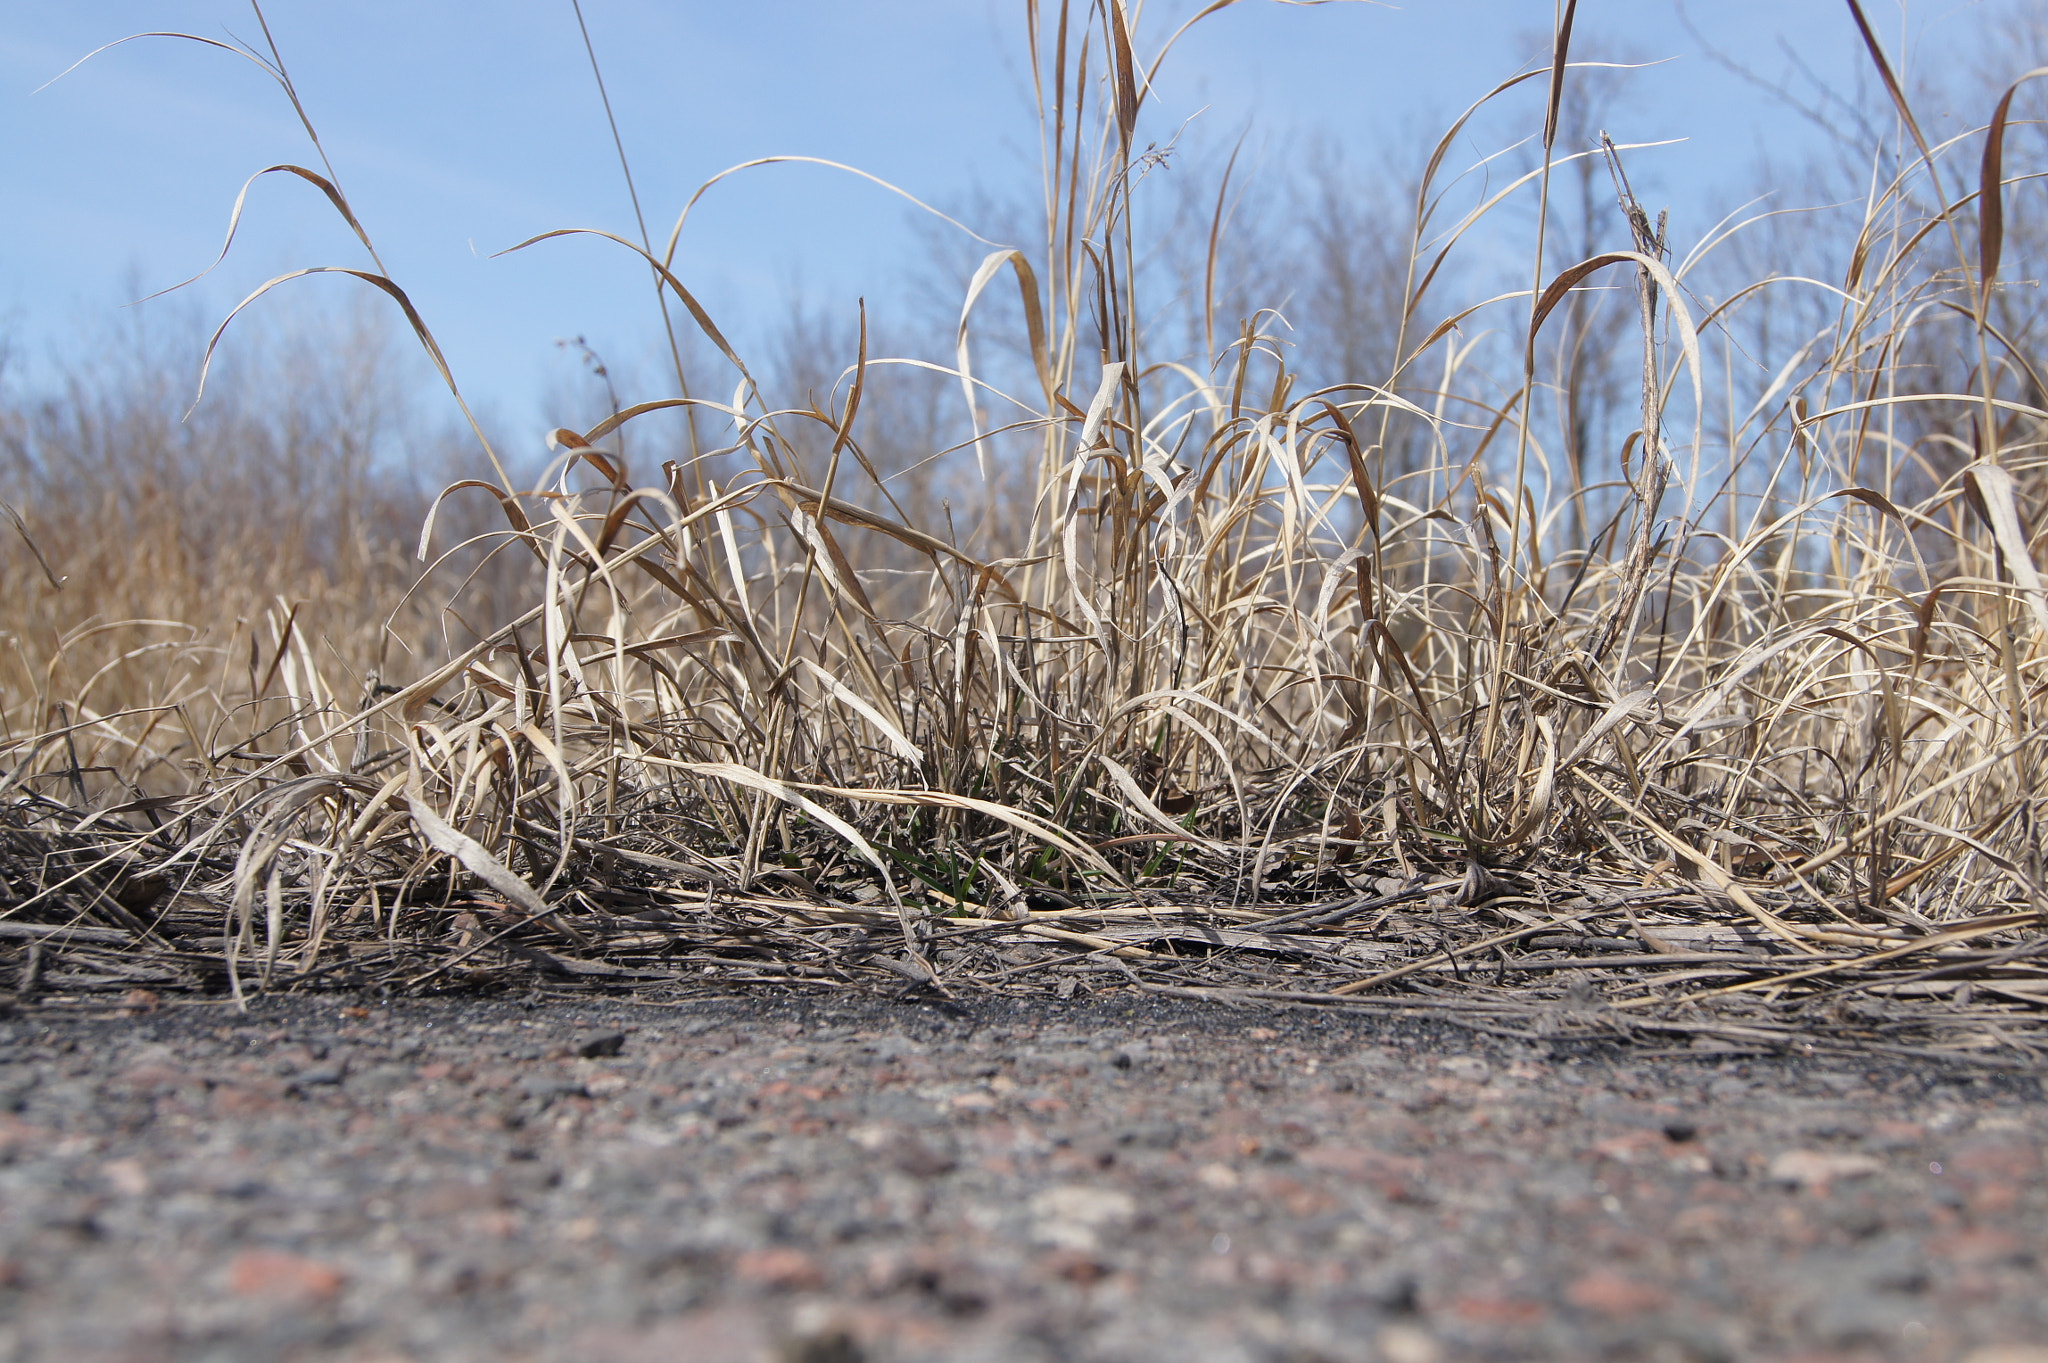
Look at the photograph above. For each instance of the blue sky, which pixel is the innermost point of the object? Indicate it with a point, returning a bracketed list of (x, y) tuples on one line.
[(459, 130)]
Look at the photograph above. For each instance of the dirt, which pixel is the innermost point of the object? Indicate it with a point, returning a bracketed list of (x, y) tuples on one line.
[(1116, 1177)]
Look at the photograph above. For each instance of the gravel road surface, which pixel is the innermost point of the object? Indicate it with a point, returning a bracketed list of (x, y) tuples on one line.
[(1121, 1177)]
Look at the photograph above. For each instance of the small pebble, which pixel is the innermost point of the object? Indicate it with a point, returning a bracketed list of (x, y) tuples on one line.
[(601, 1044)]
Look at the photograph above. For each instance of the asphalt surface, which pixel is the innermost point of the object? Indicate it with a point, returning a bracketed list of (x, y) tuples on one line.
[(771, 1179)]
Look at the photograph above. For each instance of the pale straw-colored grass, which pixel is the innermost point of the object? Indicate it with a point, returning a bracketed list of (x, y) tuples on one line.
[(1771, 723)]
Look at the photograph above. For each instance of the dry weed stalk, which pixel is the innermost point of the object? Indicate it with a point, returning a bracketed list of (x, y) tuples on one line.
[(1237, 692)]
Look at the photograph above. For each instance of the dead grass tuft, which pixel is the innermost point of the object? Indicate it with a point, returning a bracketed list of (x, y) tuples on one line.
[(1229, 686)]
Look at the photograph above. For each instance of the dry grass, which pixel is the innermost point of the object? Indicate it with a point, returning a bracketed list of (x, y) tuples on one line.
[(1227, 685)]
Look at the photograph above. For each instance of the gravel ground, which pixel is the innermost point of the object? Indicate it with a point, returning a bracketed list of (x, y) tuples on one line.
[(1117, 1177)]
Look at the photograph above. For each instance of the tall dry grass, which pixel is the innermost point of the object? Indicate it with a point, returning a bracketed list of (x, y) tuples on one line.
[(193, 570), (1209, 636)]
